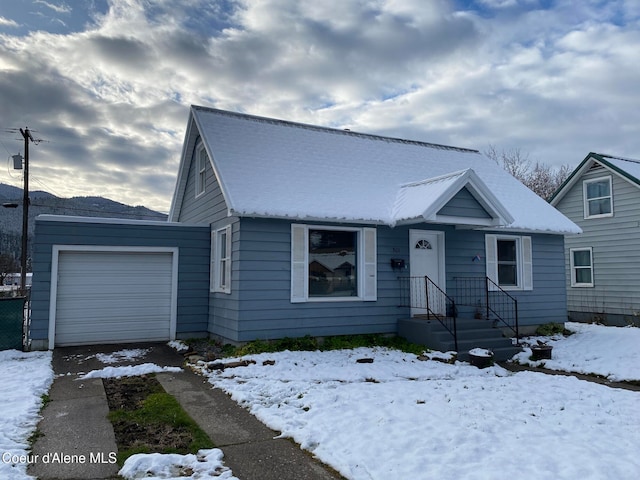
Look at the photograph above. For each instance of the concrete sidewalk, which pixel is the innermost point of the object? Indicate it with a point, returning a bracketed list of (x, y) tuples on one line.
[(77, 440)]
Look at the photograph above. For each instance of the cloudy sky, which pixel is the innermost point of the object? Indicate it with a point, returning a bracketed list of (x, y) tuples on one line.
[(107, 83)]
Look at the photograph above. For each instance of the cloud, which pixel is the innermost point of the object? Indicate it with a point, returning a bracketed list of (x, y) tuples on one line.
[(58, 8), (112, 97), (5, 22)]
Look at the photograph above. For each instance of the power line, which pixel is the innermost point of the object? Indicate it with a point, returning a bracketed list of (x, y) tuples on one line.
[(45, 186)]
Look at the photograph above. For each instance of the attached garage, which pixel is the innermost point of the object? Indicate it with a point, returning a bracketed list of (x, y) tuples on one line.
[(112, 294)]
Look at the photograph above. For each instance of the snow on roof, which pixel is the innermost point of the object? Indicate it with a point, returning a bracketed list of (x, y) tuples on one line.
[(280, 169), (625, 165), (425, 198)]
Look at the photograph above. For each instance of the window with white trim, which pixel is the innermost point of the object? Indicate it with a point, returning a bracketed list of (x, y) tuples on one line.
[(581, 267), (598, 197), (221, 260), (201, 169), (509, 261), (333, 263)]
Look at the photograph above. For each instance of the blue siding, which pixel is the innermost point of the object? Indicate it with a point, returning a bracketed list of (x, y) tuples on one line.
[(193, 269), (463, 204), (545, 303), (224, 307), (260, 307), (265, 309), (208, 207)]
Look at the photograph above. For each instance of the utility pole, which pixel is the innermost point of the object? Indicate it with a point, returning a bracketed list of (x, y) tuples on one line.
[(26, 134)]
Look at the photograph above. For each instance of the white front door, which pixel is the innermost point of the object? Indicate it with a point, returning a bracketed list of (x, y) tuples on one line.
[(426, 259)]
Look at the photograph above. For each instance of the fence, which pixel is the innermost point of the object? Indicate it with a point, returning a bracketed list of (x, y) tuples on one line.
[(12, 314)]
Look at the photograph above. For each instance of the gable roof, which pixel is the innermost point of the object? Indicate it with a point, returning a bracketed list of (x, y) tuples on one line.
[(423, 200), (279, 169), (624, 167)]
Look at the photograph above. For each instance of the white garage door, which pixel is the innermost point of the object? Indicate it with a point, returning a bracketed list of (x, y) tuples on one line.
[(112, 297)]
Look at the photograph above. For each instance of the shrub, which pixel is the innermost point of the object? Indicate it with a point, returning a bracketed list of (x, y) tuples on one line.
[(549, 329)]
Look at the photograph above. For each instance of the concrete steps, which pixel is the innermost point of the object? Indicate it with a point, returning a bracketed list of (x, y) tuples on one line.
[(472, 333)]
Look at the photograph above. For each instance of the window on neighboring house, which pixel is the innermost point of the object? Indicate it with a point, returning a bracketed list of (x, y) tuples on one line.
[(201, 166), (509, 261), (221, 260), (581, 267), (598, 199), (332, 263)]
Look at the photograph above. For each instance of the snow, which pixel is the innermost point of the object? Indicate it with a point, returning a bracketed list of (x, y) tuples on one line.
[(632, 167), (128, 371), (122, 355), (178, 345), (206, 464), (24, 378), (611, 352), (481, 352), (400, 417), (403, 416), (252, 155)]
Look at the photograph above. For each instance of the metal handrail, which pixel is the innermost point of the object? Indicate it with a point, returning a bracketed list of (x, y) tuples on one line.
[(422, 289), (494, 287), (444, 320)]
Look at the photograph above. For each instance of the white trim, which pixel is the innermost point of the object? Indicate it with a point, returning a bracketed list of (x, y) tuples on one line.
[(212, 158), (442, 274), (524, 260), (447, 187), (216, 285), (200, 185), (574, 282), (301, 260), (114, 221), (587, 163), (441, 281), (585, 200), (53, 292)]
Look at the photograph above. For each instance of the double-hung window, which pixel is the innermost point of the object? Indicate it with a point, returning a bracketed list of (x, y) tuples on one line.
[(221, 260), (598, 197), (581, 267), (332, 263), (201, 169), (509, 261)]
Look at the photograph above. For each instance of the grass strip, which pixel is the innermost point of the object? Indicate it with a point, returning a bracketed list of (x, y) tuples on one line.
[(154, 423), (338, 342)]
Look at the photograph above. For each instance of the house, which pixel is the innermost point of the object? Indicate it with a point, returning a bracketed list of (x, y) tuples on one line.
[(286, 200), (602, 196), (320, 231)]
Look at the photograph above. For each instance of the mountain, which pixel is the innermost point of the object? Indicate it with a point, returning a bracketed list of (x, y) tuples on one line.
[(46, 203)]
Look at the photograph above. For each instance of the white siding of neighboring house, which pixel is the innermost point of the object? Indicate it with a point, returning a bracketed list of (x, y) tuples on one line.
[(615, 296)]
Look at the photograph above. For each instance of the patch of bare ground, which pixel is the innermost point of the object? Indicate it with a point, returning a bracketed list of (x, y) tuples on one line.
[(146, 419)]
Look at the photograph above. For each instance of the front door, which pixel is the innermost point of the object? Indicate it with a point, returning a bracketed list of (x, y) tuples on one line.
[(426, 259)]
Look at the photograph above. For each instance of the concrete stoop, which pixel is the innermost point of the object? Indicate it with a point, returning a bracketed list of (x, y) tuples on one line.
[(472, 333)]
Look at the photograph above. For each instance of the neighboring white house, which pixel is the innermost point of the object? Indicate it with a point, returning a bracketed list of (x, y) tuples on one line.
[(602, 196)]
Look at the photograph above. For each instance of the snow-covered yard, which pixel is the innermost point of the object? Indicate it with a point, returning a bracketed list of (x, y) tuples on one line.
[(612, 352), (401, 417), (24, 378)]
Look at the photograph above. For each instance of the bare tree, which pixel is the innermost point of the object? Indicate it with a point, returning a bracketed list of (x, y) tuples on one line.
[(543, 179)]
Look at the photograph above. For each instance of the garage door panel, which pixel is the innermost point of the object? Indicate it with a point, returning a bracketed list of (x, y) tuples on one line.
[(140, 326), (108, 297), (95, 300)]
